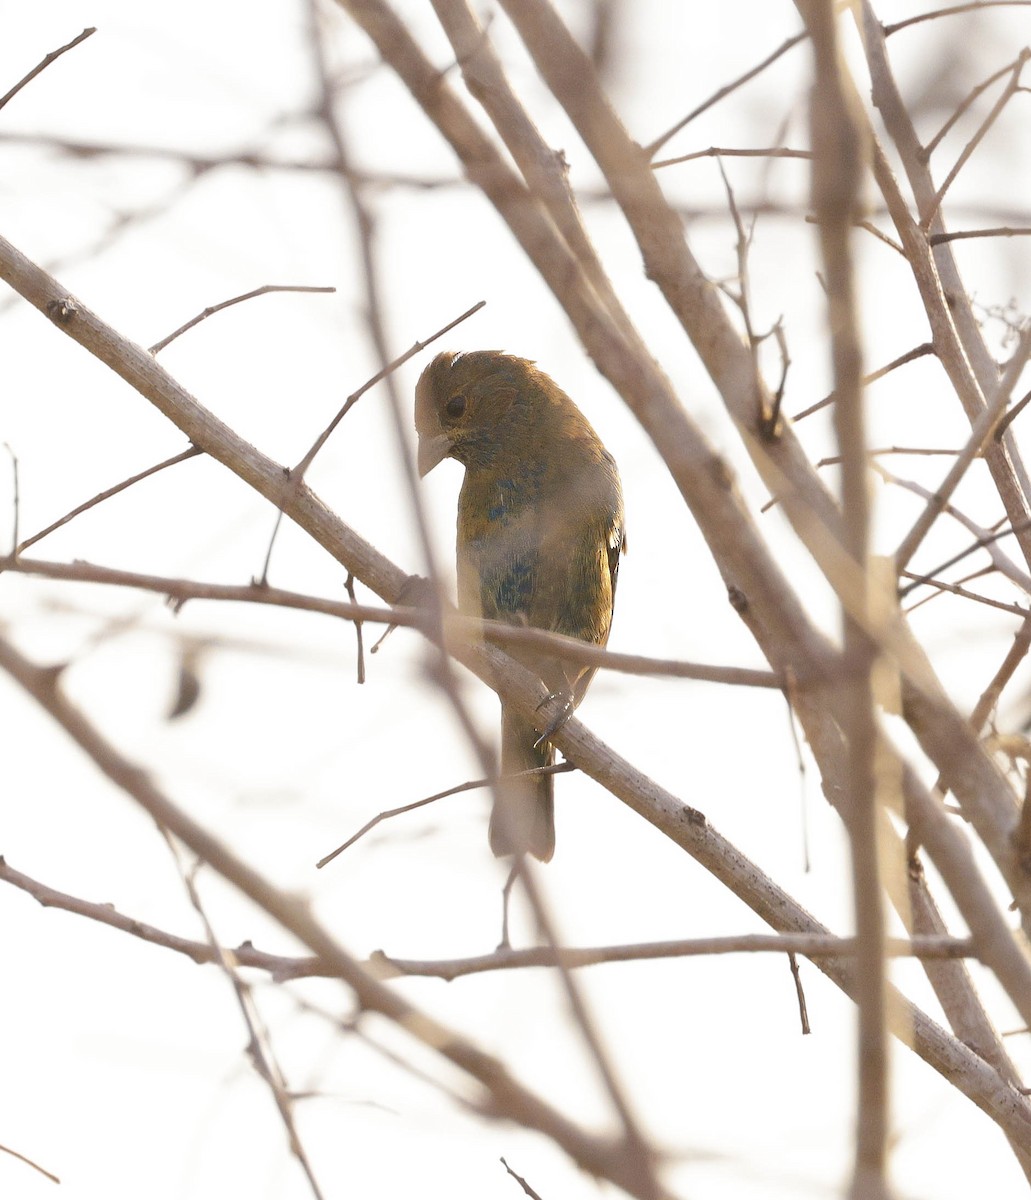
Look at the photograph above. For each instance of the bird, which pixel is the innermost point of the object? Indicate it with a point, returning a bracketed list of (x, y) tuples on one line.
[(540, 533)]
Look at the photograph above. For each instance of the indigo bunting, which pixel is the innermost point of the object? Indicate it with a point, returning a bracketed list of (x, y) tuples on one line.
[(540, 532)]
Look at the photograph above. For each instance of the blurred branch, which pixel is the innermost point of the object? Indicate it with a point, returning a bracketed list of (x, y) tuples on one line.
[(670, 263), (756, 587), (953, 10), (981, 432), (504, 1097), (259, 1047), (198, 163), (732, 152), (545, 170), (956, 333), (203, 428), (840, 159), (470, 629)]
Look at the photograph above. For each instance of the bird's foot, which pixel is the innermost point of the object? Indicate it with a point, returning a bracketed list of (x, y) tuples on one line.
[(562, 715)]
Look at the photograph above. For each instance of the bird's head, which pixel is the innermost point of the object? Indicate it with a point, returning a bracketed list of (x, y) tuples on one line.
[(465, 404)]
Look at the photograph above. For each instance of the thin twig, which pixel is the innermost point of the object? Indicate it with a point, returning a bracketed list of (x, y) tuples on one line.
[(986, 538), (295, 475), (982, 542), (29, 1163), (527, 1190), (831, 460), (989, 698), (100, 497), (937, 591), (260, 1043), (1008, 93), (1006, 421), (962, 107), (955, 235), (359, 640), (980, 434), (210, 311), (15, 498), (42, 66), (957, 590), (299, 470), (282, 967), (654, 147), (908, 357), (953, 10), (566, 649), (803, 1008), (471, 785), (732, 152)]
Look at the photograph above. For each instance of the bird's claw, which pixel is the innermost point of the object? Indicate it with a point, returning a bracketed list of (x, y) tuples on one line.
[(560, 718)]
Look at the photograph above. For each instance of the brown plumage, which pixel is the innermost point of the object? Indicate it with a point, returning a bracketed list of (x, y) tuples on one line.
[(540, 532)]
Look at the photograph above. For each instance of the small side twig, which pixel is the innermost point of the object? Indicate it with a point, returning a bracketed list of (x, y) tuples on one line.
[(470, 785), (42, 66), (416, 348), (958, 590), (955, 235), (210, 311), (15, 498), (962, 107), (521, 1181), (1011, 89), (259, 1046), (733, 152), (100, 497), (35, 1165), (296, 474), (982, 431), (655, 146), (908, 357), (349, 588), (803, 1008)]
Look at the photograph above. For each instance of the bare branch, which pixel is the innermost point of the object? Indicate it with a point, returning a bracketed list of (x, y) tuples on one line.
[(286, 967), (42, 66), (100, 497), (654, 147), (265, 290), (1011, 89)]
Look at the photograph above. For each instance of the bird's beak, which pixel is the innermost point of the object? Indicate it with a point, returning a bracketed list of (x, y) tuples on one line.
[(432, 448)]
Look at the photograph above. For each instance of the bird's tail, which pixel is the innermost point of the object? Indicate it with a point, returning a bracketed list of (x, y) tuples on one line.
[(523, 820)]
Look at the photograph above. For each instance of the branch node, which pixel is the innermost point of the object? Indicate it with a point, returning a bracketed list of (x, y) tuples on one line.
[(63, 311)]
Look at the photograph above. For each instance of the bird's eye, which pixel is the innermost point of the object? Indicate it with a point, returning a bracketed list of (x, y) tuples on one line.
[(455, 407)]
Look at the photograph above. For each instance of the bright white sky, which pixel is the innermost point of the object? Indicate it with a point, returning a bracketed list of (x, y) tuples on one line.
[(124, 1066)]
